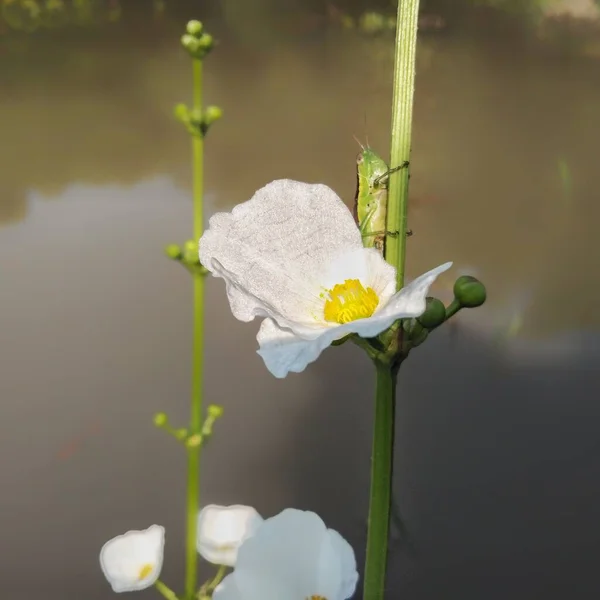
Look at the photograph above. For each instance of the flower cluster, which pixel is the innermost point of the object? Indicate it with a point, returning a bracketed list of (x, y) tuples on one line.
[(292, 555), (293, 256)]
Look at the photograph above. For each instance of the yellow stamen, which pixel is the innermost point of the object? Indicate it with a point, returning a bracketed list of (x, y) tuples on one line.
[(145, 570), (349, 301), (316, 598)]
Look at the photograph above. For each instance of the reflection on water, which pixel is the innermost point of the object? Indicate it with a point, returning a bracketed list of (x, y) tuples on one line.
[(497, 457)]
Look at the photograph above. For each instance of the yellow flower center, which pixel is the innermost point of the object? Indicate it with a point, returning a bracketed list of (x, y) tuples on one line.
[(316, 598), (145, 570), (349, 301)]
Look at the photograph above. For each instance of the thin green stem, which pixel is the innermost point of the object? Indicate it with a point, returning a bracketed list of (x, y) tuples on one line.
[(165, 590), (402, 111), (382, 462), (217, 578), (193, 474), (198, 153)]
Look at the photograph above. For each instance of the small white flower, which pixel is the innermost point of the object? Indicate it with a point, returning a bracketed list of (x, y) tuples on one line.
[(133, 561), (221, 530), (294, 255), (292, 556)]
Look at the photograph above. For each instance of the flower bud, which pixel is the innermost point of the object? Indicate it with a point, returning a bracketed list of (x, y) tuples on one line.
[(181, 434), (189, 42), (212, 114), (469, 291), (194, 441), (182, 113), (194, 28), (434, 315), (161, 419), (215, 411), (173, 251), (206, 42)]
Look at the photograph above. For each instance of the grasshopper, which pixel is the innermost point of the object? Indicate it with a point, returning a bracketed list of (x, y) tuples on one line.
[(370, 213), (370, 202)]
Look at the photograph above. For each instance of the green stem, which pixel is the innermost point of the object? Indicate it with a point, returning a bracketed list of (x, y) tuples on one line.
[(402, 110), (453, 308), (165, 590), (382, 461), (198, 152), (193, 474), (217, 578)]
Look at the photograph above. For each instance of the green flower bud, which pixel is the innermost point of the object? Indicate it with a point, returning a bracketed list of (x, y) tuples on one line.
[(434, 315), (191, 246), (173, 251), (469, 291), (196, 116), (211, 114), (190, 253), (215, 411), (182, 113), (372, 22), (206, 42), (194, 28), (180, 434), (161, 419), (194, 441), (189, 41)]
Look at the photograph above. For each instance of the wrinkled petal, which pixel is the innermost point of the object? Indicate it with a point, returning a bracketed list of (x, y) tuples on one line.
[(123, 557), (274, 243), (283, 351)]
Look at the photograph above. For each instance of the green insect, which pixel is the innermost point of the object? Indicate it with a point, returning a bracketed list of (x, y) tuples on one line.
[(370, 203)]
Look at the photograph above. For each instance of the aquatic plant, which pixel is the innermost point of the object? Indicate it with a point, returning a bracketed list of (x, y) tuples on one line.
[(294, 256)]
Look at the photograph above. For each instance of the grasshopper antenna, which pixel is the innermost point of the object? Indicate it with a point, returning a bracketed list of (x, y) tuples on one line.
[(358, 142)]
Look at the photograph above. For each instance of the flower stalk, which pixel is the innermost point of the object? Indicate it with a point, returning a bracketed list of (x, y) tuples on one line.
[(165, 591), (387, 367), (402, 112), (381, 481), (193, 451)]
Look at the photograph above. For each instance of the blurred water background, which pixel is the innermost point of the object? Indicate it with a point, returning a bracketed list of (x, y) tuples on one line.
[(498, 454)]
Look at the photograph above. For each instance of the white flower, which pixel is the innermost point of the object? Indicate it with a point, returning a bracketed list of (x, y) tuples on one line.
[(133, 561), (221, 530), (294, 255), (292, 556)]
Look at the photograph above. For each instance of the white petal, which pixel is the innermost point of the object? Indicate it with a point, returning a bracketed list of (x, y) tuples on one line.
[(227, 590), (410, 301), (349, 574), (222, 529), (283, 351), (290, 556), (368, 266), (275, 244), (123, 557)]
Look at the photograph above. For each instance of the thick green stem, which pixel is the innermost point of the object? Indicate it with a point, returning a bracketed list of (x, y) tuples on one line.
[(193, 474), (402, 111), (382, 462)]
